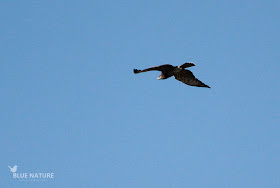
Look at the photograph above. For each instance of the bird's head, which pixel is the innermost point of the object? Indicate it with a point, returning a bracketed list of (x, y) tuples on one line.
[(160, 77)]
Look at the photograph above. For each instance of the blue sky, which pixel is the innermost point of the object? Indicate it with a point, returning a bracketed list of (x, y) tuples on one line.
[(71, 105)]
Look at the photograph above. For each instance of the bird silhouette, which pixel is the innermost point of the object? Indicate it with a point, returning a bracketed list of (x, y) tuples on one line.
[(179, 72), (14, 169)]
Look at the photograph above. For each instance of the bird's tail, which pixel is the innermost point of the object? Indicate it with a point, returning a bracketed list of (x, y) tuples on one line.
[(10, 167), (136, 71), (187, 64)]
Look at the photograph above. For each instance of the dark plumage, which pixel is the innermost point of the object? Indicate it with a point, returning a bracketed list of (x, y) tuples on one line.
[(179, 72)]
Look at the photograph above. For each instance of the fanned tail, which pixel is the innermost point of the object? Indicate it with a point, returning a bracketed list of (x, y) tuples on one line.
[(186, 65)]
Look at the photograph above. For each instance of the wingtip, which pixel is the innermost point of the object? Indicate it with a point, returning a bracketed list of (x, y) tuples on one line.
[(204, 85), (136, 71)]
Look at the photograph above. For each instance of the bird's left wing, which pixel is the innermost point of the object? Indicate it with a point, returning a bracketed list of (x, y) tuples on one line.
[(158, 68), (187, 77)]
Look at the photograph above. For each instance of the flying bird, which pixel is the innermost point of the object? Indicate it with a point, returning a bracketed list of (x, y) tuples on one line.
[(179, 72), (14, 169)]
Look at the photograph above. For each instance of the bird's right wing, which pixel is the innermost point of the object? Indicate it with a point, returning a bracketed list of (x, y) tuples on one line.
[(158, 68), (188, 78)]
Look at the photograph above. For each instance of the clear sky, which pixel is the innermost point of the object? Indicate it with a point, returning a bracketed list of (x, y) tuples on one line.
[(70, 103)]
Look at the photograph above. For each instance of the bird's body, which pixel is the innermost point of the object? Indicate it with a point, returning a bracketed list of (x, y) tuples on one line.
[(179, 72)]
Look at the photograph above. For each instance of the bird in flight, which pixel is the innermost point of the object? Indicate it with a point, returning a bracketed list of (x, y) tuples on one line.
[(179, 72), (14, 169)]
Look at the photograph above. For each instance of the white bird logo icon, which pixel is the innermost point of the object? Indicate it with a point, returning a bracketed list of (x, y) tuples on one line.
[(14, 169)]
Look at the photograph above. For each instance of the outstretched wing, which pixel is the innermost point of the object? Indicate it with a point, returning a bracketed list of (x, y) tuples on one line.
[(158, 68), (187, 77)]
